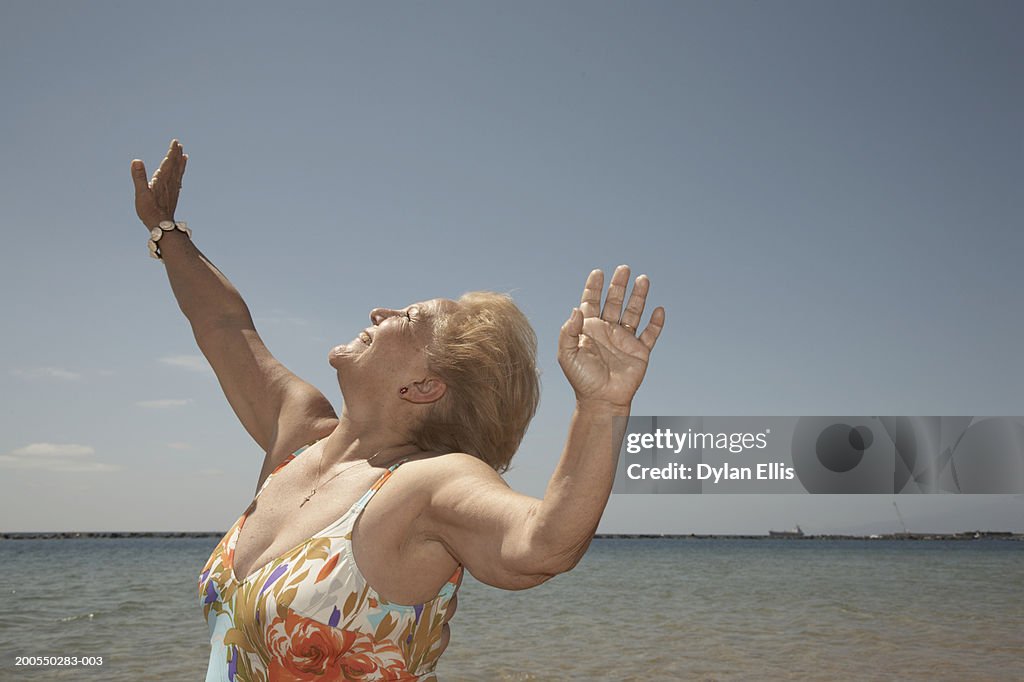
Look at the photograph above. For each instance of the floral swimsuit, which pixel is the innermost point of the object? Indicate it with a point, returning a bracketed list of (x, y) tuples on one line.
[(309, 614)]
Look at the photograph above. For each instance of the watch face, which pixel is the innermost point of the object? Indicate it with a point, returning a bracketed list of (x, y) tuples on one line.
[(155, 235)]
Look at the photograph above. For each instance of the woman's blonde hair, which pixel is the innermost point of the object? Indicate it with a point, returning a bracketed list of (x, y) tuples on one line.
[(486, 353)]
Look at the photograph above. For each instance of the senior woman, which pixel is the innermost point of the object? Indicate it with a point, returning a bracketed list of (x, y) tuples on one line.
[(347, 561)]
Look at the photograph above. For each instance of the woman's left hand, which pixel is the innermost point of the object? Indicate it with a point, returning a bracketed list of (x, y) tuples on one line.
[(598, 350)]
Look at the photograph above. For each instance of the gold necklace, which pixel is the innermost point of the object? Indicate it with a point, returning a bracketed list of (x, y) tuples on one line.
[(319, 467)]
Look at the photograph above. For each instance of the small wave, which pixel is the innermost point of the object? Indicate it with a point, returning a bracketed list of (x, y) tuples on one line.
[(83, 616)]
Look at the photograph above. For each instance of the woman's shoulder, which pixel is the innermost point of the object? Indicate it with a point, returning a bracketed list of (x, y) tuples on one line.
[(439, 471), (451, 462)]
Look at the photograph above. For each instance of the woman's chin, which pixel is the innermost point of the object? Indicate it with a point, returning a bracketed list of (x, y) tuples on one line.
[(338, 354), (345, 352)]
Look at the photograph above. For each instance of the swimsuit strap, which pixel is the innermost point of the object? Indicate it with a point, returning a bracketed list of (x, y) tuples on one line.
[(286, 460), (368, 495)]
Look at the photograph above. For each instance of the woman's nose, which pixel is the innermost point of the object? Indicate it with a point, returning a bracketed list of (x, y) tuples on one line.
[(378, 315)]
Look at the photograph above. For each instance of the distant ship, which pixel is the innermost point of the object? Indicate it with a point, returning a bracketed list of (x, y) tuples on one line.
[(795, 533)]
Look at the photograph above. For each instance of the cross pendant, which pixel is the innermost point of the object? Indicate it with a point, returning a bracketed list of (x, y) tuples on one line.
[(307, 498)]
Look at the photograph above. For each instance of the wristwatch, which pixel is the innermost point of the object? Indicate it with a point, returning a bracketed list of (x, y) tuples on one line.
[(157, 232)]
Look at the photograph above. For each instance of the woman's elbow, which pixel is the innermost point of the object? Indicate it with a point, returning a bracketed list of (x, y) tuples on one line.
[(520, 577), (524, 569), (543, 562)]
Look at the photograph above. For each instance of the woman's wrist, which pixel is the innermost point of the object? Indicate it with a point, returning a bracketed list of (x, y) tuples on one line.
[(602, 408), (152, 221), (158, 235)]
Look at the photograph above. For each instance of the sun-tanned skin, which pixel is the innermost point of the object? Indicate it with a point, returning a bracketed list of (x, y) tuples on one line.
[(440, 509)]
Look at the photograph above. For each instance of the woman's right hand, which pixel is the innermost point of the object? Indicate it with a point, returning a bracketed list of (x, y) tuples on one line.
[(599, 351), (156, 199)]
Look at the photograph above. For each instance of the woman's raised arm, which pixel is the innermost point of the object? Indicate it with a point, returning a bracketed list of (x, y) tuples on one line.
[(514, 541), (279, 410)]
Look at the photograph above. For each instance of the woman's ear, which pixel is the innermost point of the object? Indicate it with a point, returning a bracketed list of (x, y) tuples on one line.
[(424, 391)]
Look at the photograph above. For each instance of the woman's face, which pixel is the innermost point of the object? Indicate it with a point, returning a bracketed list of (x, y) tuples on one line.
[(391, 349)]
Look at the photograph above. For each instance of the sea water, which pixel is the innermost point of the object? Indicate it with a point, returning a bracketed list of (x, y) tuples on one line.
[(705, 609)]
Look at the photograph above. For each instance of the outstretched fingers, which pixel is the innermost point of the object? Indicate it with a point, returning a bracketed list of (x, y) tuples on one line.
[(613, 312), (637, 300), (179, 161), (181, 168), (616, 295), (653, 329), (590, 302), (169, 169)]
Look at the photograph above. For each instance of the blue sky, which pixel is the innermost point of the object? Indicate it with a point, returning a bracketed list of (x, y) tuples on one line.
[(826, 197)]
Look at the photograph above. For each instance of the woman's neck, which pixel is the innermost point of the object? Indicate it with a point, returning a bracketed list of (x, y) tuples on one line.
[(354, 439)]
